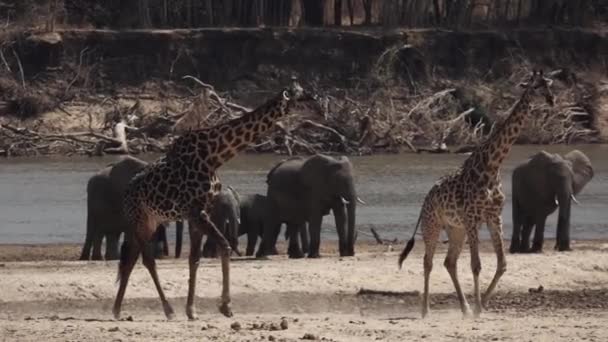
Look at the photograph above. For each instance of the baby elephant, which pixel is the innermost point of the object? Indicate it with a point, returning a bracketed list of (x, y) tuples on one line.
[(251, 210), (226, 216), (540, 185)]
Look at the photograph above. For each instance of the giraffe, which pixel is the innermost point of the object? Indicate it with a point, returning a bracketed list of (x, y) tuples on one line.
[(181, 185), (461, 201)]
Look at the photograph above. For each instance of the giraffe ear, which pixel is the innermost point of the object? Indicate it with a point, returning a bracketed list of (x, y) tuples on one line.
[(285, 95)]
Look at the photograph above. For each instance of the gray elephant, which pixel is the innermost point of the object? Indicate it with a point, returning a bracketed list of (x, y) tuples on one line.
[(104, 210), (226, 216), (541, 185), (303, 190), (253, 212)]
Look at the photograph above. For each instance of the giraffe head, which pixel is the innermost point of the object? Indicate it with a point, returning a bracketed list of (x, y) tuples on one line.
[(296, 98), (538, 84)]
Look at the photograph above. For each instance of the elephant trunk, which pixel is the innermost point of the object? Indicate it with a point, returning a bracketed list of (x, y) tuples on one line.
[(351, 234)]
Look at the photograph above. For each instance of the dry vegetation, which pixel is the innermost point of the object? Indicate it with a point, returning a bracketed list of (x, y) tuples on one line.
[(73, 107)]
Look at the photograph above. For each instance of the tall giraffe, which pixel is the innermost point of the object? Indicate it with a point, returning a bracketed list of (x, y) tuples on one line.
[(460, 202), (182, 184)]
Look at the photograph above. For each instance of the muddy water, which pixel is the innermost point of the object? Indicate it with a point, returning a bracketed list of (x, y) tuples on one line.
[(43, 200)]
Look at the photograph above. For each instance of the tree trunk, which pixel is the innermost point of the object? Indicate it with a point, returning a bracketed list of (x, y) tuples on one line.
[(367, 8), (338, 12), (351, 12), (437, 11), (313, 12)]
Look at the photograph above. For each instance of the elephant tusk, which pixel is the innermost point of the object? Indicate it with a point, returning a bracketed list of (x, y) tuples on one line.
[(238, 221), (344, 201), (360, 201), (574, 199)]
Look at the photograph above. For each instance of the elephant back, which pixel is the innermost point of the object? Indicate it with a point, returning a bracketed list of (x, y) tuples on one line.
[(285, 173), (123, 171)]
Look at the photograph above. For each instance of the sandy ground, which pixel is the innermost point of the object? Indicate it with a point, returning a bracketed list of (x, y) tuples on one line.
[(51, 298)]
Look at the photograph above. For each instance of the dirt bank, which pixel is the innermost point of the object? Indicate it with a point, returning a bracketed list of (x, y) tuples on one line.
[(59, 300), (383, 90)]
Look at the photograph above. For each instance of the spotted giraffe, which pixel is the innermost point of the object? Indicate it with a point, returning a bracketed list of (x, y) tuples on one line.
[(182, 184), (460, 202)]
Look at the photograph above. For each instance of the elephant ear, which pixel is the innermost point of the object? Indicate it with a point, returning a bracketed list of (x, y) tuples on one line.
[(319, 170), (582, 170)]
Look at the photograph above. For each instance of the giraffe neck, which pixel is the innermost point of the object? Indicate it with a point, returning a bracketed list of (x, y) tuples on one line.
[(235, 135), (490, 155)]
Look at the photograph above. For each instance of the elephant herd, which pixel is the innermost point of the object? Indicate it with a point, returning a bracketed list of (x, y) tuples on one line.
[(300, 191)]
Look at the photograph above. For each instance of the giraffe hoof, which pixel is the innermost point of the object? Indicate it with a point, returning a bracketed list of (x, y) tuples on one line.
[(168, 311), (226, 310), (116, 313)]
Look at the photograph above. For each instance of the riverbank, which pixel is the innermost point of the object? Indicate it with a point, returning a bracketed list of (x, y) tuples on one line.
[(383, 91), (322, 298)]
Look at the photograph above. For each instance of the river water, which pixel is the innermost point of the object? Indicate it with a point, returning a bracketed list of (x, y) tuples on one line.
[(43, 200)]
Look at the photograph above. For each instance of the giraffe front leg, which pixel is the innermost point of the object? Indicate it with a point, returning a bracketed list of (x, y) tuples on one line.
[(473, 230), (220, 240), (495, 227), (196, 237)]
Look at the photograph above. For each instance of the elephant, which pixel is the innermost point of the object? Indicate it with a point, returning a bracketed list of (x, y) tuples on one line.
[(303, 190), (541, 185), (104, 210), (253, 212), (226, 216)]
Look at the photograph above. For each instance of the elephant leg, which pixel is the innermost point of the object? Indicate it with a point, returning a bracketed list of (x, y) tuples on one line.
[(517, 230), (86, 248), (304, 238), (539, 235), (179, 233), (163, 239), (270, 234), (112, 252), (97, 241), (273, 239), (294, 251), (526, 232), (209, 249), (252, 240), (159, 237), (314, 228)]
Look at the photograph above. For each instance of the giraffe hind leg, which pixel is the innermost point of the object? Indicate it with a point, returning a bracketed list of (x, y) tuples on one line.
[(430, 233), (150, 264), (456, 240), (129, 253)]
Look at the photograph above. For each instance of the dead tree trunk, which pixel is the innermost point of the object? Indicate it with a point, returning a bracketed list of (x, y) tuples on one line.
[(338, 12), (314, 12)]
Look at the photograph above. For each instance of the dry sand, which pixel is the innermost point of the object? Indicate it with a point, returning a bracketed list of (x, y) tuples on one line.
[(51, 298)]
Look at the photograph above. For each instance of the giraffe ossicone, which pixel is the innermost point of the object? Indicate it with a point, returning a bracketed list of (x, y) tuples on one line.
[(181, 185), (462, 201)]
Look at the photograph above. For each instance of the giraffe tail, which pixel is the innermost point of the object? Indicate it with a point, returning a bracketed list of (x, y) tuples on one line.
[(124, 252), (410, 244)]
